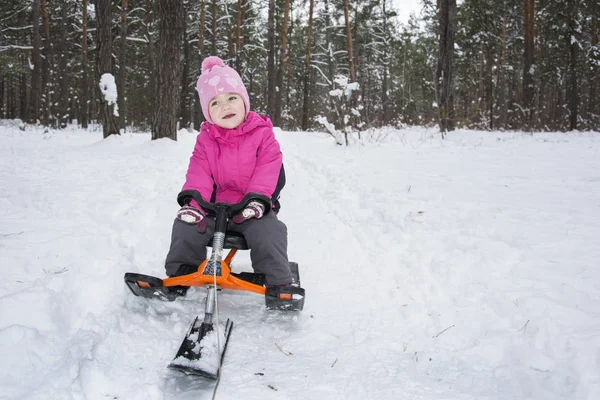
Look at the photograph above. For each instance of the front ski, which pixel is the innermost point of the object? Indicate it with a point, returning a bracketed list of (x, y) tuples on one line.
[(199, 353)]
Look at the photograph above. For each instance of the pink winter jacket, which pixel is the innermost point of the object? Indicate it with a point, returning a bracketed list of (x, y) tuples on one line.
[(238, 161)]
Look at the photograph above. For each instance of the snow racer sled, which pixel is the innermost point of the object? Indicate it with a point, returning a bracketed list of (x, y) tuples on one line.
[(203, 348)]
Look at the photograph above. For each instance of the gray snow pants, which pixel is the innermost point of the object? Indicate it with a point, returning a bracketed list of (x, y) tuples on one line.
[(266, 237)]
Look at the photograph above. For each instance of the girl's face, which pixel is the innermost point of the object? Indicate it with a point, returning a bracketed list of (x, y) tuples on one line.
[(227, 110)]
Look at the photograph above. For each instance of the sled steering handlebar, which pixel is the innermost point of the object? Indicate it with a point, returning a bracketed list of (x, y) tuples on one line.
[(229, 210)]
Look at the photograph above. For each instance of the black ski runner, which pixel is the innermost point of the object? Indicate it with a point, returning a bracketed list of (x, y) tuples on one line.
[(199, 353)]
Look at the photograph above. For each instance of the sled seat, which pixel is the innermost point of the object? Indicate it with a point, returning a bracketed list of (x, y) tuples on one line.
[(233, 240)]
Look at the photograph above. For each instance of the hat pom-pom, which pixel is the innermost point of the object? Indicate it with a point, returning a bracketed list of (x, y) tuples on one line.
[(210, 62)]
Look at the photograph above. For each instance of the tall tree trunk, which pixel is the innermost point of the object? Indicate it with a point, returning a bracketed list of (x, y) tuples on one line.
[(386, 60), (62, 110), (198, 117), (151, 91), (2, 97), (11, 99), (184, 109), (84, 70), (47, 45), (558, 108), (107, 111), (230, 31), (594, 71), (201, 28), (355, 41), (288, 70), (447, 18), (238, 35), (502, 111), (271, 60), (352, 67), (122, 78), (349, 47), (542, 118), (283, 60), (528, 61), (513, 90), (36, 83), (307, 68), (481, 91), (169, 67), (10, 105), (23, 106), (214, 28), (330, 60), (489, 87), (572, 88)]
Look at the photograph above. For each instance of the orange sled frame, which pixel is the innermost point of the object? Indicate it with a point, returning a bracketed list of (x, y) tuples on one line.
[(284, 298), (214, 274), (225, 281)]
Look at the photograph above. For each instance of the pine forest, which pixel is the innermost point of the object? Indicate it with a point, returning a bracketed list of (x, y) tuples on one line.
[(330, 65)]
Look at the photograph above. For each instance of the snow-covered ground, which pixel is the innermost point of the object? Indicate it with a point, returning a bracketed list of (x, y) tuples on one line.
[(464, 268)]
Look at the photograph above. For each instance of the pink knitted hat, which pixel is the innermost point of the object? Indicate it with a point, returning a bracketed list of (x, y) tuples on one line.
[(217, 78)]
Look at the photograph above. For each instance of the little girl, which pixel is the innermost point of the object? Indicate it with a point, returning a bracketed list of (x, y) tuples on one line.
[(236, 153)]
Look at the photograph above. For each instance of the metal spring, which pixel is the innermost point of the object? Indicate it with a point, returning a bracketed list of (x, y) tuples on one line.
[(217, 247)]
